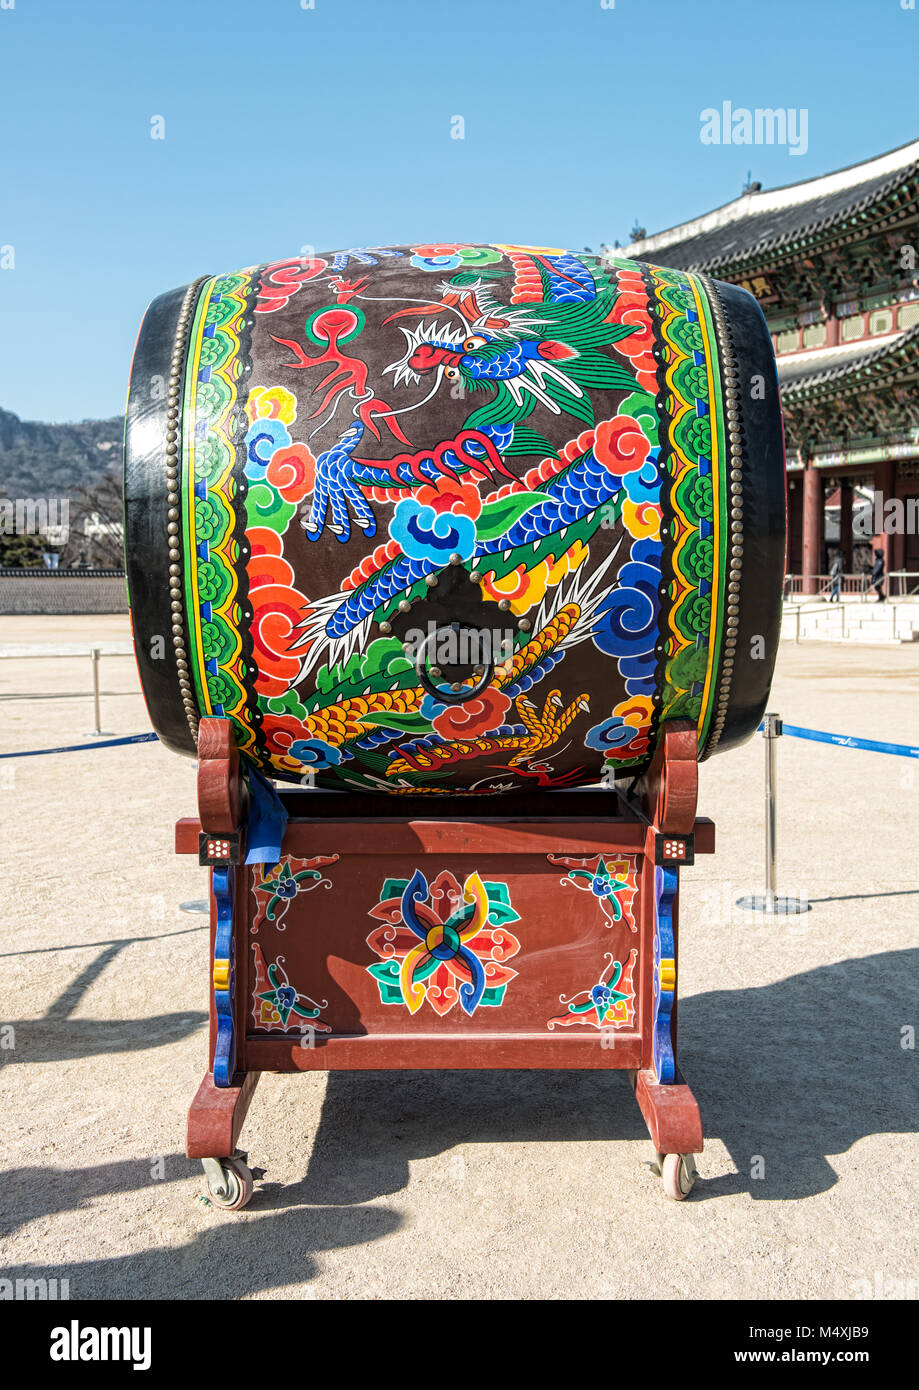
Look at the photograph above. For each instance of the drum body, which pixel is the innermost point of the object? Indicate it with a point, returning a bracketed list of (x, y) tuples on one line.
[(453, 518)]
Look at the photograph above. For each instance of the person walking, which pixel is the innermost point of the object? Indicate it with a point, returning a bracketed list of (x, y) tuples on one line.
[(836, 578), (877, 575)]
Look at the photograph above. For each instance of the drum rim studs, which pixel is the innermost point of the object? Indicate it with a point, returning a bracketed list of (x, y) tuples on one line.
[(173, 499)]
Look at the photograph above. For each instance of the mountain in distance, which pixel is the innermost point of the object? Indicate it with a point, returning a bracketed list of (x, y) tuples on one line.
[(49, 460)]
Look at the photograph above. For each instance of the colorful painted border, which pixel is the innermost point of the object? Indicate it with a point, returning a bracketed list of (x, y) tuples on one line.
[(212, 515), (692, 381)]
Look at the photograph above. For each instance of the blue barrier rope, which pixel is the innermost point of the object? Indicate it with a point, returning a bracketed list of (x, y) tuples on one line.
[(871, 745), (78, 747)]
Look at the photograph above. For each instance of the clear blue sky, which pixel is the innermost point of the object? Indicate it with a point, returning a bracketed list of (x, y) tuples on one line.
[(331, 127)]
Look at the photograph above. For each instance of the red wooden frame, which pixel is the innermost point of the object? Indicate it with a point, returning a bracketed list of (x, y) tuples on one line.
[(367, 833)]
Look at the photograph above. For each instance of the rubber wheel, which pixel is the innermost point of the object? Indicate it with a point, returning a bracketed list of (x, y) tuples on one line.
[(240, 1186), (678, 1173)]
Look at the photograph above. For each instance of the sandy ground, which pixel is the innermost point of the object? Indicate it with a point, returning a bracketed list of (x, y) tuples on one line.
[(488, 1185)]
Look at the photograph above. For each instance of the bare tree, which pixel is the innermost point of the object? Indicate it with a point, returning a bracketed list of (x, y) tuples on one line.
[(99, 504)]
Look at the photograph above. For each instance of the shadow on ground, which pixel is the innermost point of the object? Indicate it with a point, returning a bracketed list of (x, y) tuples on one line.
[(231, 1259), (791, 1072), (787, 1073), (58, 1036)]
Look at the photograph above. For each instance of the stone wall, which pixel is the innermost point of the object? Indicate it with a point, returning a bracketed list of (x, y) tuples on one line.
[(63, 591)]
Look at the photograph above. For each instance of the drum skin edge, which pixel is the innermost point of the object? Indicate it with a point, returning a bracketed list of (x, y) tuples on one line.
[(747, 353), (146, 520)]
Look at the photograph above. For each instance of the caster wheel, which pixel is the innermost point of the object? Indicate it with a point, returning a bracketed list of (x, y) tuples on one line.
[(678, 1173), (230, 1182)]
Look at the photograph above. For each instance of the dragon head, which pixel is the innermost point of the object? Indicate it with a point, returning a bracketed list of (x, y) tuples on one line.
[(433, 347)]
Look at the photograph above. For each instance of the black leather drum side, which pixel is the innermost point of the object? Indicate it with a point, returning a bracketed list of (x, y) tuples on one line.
[(145, 507), (763, 482)]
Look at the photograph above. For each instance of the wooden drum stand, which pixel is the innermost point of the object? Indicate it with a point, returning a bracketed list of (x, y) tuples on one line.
[(412, 933)]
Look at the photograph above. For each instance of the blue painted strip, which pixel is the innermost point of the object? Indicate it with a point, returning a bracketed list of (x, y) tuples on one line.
[(224, 891), (80, 747), (899, 750), (663, 1062)]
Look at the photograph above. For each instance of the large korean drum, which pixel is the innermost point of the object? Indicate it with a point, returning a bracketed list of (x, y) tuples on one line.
[(446, 517)]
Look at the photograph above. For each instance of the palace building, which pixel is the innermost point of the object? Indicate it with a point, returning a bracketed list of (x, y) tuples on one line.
[(834, 264)]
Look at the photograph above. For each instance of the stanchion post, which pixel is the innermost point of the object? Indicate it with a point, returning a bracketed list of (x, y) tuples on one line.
[(97, 713), (770, 901), (772, 732)]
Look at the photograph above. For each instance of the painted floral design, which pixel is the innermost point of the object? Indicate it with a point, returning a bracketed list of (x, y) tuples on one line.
[(277, 889), (610, 1003), (612, 884), (277, 1005), (443, 944)]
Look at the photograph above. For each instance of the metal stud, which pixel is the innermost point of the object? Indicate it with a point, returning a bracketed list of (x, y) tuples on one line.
[(173, 396)]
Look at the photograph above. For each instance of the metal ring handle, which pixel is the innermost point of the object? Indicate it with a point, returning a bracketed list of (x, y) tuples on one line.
[(445, 693)]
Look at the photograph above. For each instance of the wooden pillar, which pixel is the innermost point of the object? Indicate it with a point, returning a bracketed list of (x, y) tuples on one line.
[(845, 525), (812, 548), (898, 541), (885, 486), (795, 526)]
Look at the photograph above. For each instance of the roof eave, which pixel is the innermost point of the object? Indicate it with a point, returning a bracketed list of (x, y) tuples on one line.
[(835, 379)]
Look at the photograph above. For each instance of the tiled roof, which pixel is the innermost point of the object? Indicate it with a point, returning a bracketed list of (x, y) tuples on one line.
[(800, 372), (755, 223)]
